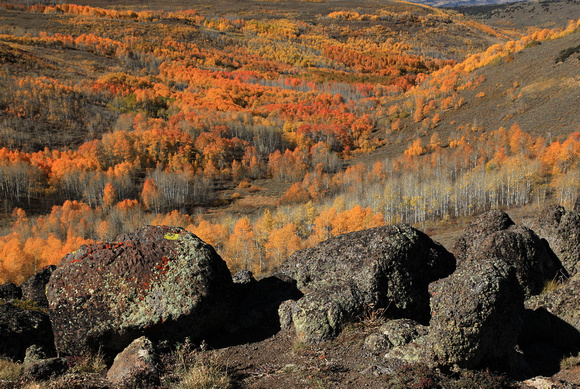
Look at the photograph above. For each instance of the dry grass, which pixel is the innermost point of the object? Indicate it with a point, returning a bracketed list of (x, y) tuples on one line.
[(90, 363), (551, 286), (9, 371), (570, 362), (205, 374)]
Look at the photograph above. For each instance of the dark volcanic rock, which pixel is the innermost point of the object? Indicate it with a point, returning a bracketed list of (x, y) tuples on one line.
[(562, 231), (395, 333), (136, 366), (161, 282), (476, 316), (20, 329), (43, 369), (34, 288), (386, 268), (494, 236), (9, 291), (478, 230)]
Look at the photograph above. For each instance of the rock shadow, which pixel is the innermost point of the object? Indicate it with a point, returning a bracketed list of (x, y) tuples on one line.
[(255, 310), (544, 341)]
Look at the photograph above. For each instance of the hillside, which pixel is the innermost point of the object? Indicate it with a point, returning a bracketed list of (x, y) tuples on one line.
[(524, 15), (271, 134), (307, 143)]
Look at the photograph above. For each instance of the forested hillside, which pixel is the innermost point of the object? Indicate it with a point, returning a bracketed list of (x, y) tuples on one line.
[(269, 131)]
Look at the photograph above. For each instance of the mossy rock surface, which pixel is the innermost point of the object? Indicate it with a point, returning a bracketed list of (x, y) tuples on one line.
[(561, 229), (476, 316), (387, 268), (494, 236), (162, 282)]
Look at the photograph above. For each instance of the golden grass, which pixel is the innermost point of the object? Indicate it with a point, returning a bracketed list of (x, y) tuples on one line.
[(9, 371)]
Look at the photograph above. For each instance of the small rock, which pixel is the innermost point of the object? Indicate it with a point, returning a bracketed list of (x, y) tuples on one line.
[(35, 353), (543, 383), (377, 342), (563, 303), (285, 313), (402, 331), (136, 365), (243, 277)]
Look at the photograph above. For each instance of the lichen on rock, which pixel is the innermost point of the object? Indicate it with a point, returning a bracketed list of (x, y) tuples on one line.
[(388, 268), (106, 295)]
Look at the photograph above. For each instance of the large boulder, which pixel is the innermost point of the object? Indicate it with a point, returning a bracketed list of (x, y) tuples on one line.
[(161, 282), (476, 316), (494, 236), (562, 231), (387, 268), (34, 288), (20, 329)]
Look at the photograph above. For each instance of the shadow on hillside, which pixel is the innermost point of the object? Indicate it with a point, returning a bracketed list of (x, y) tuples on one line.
[(546, 340), (255, 317)]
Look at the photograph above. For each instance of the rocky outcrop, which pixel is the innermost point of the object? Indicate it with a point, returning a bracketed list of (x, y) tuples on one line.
[(20, 329), (34, 288), (161, 282), (476, 316), (388, 268), (135, 366), (561, 229), (494, 236)]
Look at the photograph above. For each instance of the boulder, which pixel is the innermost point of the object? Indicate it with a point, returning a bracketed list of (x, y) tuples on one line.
[(399, 332), (44, 369), (20, 329), (162, 282), (486, 224), (476, 316), (34, 288), (321, 314), (395, 333), (561, 229), (387, 268), (494, 236), (10, 291), (136, 365)]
